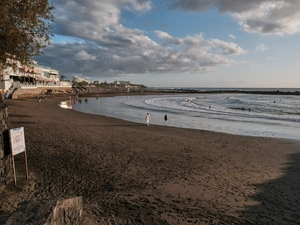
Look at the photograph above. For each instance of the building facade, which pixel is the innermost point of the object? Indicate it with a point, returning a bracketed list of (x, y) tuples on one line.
[(29, 77)]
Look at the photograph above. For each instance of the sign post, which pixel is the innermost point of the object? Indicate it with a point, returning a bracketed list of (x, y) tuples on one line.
[(17, 142)]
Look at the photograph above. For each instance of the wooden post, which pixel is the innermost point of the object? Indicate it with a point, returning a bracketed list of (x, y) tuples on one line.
[(14, 169), (26, 166)]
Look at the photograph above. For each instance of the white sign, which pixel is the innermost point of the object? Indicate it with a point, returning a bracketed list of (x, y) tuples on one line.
[(17, 139)]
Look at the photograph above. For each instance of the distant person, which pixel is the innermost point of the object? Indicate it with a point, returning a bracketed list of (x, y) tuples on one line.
[(166, 119), (147, 119)]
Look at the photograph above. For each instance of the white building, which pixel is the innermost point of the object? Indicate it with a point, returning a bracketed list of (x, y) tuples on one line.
[(77, 79), (123, 83), (30, 76)]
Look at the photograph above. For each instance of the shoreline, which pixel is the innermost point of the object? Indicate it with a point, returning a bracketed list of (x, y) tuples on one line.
[(267, 91), (254, 128), (130, 173)]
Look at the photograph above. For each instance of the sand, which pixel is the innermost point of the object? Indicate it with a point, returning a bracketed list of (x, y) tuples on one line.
[(131, 173)]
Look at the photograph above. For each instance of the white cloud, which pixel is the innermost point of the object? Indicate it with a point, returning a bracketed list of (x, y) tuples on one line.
[(232, 36), (135, 53), (102, 46), (83, 55), (162, 35), (261, 48), (227, 48)]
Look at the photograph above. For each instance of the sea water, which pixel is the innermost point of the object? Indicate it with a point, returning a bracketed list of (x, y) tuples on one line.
[(236, 113)]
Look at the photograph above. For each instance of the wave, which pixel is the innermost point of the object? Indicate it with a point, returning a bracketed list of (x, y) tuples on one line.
[(230, 107), (192, 111)]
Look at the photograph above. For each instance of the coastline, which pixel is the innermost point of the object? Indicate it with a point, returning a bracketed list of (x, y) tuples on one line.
[(130, 173), (263, 91), (221, 112)]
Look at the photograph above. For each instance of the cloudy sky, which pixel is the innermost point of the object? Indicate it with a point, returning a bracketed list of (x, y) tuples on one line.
[(178, 43)]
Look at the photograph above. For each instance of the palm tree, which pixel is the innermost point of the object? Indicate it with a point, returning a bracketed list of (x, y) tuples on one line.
[(62, 77)]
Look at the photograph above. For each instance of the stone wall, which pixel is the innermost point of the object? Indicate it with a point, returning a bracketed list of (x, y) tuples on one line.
[(6, 172), (33, 92)]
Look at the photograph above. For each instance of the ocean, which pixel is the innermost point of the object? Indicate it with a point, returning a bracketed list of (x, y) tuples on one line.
[(262, 114)]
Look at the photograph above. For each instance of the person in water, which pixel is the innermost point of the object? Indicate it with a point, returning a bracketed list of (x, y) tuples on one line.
[(166, 119), (147, 119)]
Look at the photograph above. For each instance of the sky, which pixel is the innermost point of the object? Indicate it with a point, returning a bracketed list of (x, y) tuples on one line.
[(178, 43)]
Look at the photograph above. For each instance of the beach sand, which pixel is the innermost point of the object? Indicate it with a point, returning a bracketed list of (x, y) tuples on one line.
[(130, 173)]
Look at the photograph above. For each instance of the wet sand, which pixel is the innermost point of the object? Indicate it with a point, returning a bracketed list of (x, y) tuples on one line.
[(130, 173)]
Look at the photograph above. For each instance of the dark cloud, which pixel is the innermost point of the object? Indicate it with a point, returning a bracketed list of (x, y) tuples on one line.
[(259, 16), (236, 6)]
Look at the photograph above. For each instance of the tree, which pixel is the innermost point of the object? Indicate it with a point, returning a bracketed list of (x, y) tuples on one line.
[(62, 77), (96, 83), (25, 29)]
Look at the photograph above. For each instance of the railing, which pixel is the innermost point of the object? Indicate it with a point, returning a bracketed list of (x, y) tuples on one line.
[(31, 86)]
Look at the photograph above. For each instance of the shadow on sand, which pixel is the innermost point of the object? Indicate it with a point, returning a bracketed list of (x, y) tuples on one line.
[(279, 200)]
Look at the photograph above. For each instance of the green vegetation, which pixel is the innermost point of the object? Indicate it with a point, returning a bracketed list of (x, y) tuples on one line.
[(62, 77), (24, 29), (96, 86)]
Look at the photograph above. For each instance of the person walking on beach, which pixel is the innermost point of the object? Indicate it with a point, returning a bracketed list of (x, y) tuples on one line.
[(166, 119), (147, 119)]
